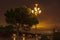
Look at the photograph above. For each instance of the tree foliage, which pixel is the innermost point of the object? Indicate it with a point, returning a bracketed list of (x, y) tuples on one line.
[(20, 16), (6, 31)]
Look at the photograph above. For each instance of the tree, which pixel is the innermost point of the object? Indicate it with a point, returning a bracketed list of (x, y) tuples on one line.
[(6, 31), (9, 16), (20, 17), (9, 29)]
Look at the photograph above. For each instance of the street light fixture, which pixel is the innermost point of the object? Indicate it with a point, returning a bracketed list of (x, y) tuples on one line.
[(36, 11)]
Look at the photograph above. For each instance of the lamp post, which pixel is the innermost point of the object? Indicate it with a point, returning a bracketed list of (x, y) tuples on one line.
[(36, 11)]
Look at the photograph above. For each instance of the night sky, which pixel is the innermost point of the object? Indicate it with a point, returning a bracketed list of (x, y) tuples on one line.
[(49, 17)]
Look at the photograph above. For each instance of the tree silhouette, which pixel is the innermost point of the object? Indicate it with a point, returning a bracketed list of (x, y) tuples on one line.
[(9, 30), (9, 16), (20, 17), (6, 31)]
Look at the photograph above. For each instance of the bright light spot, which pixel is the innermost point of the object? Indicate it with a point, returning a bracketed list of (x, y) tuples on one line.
[(32, 11), (39, 11), (44, 25), (38, 8), (40, 25), (35, 8)]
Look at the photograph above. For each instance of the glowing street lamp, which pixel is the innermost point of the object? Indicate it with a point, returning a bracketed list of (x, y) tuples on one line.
[(36, 11)]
